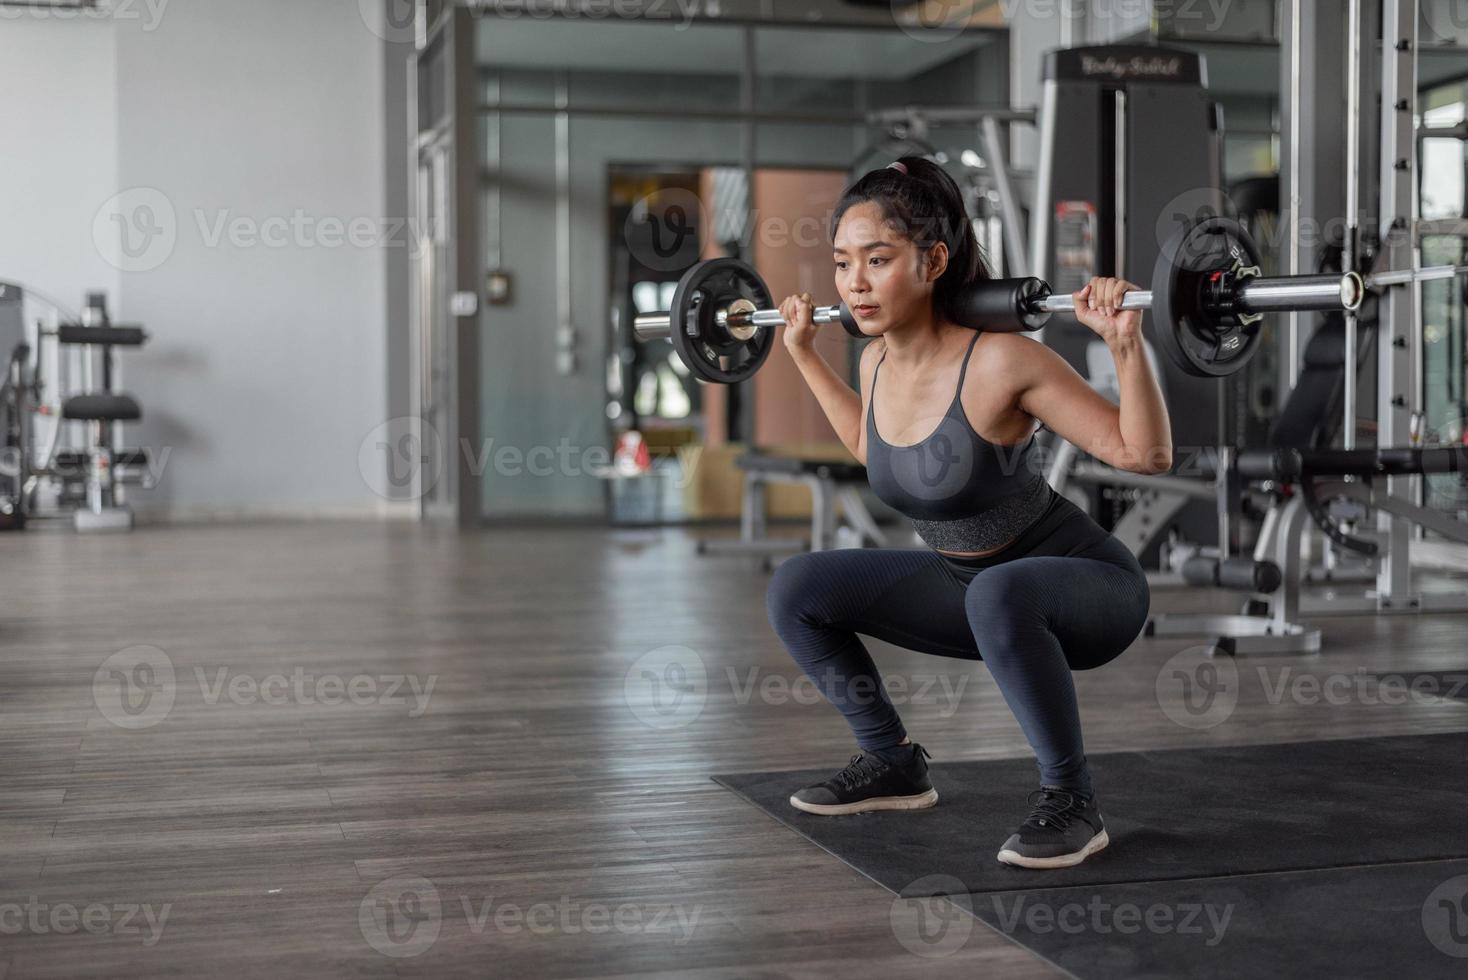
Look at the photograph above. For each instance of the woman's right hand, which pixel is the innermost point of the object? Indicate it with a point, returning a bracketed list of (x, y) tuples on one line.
[(800, 331)]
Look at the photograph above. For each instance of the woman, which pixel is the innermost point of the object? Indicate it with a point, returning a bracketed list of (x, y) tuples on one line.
[(1017, 575)]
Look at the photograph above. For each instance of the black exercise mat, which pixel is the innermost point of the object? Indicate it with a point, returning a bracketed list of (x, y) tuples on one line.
[(1175, 814), (1398, 920)]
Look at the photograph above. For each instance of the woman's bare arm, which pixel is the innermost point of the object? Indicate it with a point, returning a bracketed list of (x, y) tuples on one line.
[(1135, 436), (843, 407)]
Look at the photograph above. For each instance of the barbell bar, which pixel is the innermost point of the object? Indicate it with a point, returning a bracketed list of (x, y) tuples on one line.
[(1257, 295), (1207, 300)]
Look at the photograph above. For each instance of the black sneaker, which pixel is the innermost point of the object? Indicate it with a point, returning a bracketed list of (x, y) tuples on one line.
[(1063, 829), (870, 782)]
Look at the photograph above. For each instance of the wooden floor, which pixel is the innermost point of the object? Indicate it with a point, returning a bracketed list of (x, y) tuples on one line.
[(562, 834)]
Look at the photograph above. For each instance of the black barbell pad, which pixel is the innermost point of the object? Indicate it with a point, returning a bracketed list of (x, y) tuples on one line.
[(995, 305), (1003, 305)]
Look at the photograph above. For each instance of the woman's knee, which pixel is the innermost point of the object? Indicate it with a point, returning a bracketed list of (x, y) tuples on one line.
[(1000, 606), (794, 589)]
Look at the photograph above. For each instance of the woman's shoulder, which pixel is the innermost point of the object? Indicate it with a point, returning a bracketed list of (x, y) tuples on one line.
[(871, 353), (1005, 353)]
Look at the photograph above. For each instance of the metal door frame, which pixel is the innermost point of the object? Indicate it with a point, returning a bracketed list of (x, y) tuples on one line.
[(450, 402)]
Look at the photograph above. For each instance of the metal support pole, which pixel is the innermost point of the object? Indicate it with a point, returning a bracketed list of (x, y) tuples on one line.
[(1351, 242), (1018, 259), (1398, 344)]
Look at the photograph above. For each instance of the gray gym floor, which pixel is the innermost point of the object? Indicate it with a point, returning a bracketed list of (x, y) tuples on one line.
[(560, 807)]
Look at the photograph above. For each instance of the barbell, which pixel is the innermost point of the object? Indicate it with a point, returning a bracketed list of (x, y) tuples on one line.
[(1207, 301)]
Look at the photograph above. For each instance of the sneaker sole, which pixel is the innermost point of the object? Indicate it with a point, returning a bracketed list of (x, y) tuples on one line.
[(920, 802), (1061, 861)]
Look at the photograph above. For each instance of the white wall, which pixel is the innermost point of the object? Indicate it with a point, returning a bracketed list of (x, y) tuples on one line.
[(216, 119), (266, 370), (60, 152)]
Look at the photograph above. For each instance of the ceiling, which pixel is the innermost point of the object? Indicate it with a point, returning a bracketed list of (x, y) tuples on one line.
[(540, 44)]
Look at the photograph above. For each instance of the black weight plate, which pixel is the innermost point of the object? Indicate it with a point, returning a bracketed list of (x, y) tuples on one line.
[(709, 351), (1195, 340)]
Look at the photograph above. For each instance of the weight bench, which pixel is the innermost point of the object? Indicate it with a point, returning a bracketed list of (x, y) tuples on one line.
[(832, 486), (99, 471)]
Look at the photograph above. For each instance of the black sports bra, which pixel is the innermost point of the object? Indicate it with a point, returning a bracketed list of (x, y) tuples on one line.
[(962, 492)]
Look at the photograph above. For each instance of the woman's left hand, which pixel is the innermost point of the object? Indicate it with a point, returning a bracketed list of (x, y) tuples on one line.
[(1098, 307)]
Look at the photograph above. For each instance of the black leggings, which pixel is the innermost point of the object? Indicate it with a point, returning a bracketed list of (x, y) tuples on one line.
[(1063, 596)]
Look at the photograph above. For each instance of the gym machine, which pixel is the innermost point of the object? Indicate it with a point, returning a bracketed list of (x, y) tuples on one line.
[(87, 480)]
